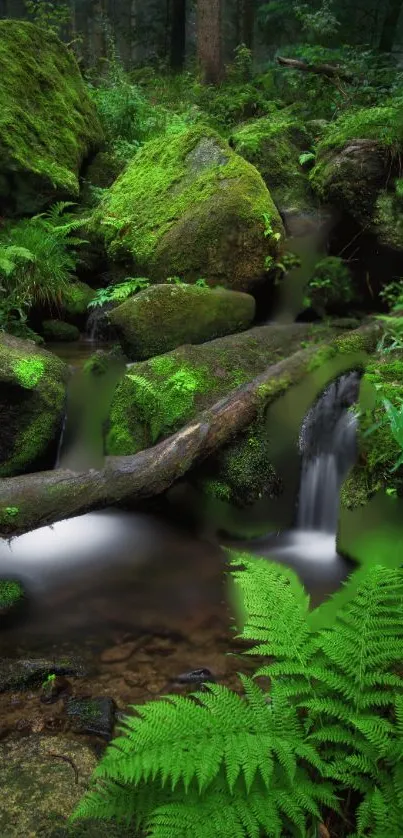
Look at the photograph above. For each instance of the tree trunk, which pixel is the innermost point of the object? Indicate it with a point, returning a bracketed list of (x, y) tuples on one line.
[(178, 35), (35, 500), (389, 27), (248, 22), (209, 40)]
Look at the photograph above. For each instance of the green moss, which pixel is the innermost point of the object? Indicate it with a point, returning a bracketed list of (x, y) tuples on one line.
[(215, 368), (164, 316), (76, 298), (32, 397), (330, 284), (161, 407), (388, 220), (10, 593), (29, 371), (244, 469), (48, 124), (273, 144), (383, 124), (188, 207), (8, 514)]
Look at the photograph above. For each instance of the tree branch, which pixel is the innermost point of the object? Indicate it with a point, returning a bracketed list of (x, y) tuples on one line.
[(328, 70)]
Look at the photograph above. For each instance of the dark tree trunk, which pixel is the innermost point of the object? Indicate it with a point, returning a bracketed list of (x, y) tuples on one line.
[(178, 35), (248, 22), (389, 27), (209, 40)]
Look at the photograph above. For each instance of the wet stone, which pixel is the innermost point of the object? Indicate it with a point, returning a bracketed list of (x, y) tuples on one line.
[(120, 653), (23, 674), (92, 715)]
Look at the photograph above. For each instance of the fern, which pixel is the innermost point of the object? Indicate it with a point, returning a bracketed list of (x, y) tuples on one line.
[(120, 292), (216, 763)]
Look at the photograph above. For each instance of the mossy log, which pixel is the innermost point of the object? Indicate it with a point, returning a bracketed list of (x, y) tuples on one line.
[(40, 499), (331, 71)]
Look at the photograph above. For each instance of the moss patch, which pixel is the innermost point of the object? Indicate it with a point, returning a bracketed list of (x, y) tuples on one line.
[(32, 397), (48, 124), (164, 317), (189, 207)]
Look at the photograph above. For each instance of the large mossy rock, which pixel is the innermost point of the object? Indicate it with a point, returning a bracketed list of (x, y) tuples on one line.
[(159, 396), (32, 403), (273, 144), (164, 317), (357, 158), (48, 124), (188, 206)]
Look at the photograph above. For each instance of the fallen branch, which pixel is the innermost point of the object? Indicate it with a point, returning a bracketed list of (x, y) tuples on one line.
[(329, 70), (34, 500)]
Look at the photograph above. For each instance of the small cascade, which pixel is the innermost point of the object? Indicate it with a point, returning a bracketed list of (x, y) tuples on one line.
[(328, 444)]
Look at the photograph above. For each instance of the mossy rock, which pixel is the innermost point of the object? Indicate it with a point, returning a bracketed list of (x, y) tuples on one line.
[(273, 144), (57, 330), (188, 206), (54, 123), (241, 472), (164, 317), (100, 174), (387, 223), (351, 178), (379, 450), (75, 302), (38, 793), (32, 402)]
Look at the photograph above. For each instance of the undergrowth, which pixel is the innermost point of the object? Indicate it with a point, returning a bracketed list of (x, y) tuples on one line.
[(322, 746)]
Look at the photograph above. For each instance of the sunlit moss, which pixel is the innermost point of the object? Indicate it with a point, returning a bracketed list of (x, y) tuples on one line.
[(29, 371)]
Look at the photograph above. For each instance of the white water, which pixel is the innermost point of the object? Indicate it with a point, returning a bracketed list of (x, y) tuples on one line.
[(329, 449)]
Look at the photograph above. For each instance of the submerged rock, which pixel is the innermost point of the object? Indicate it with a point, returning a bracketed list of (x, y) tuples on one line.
[(164, 317), (32, 403), (54, 123), (58, 330), (188, 206)]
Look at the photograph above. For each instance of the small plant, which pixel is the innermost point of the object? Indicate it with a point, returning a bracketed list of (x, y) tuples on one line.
[(392, 294), (268, 227), (48, 682), (306, 158), (120, 292), (330, 284)]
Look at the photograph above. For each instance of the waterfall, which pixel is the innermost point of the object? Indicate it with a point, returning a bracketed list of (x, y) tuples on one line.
[(328, 444)]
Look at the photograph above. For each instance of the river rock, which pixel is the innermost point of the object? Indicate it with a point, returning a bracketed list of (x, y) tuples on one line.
[(164, 317), (40, 788), (58, 330), (55, 122), (32, 403), (20, 674), (188, 206), (92, 715)]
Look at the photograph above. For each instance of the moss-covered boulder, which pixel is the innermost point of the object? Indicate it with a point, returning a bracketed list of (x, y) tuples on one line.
[(58, 330), (188, 206), (157, 397), (32, 403), (101, 172), (379, 450), (164, 317), (48, 124), (351, 177), (274, 144)]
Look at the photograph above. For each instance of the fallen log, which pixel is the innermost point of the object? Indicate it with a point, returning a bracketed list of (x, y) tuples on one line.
[(329, 70), (34, 500)]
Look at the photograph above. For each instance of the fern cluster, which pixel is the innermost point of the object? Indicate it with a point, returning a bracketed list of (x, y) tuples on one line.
[(326, 738), (38, 257)]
